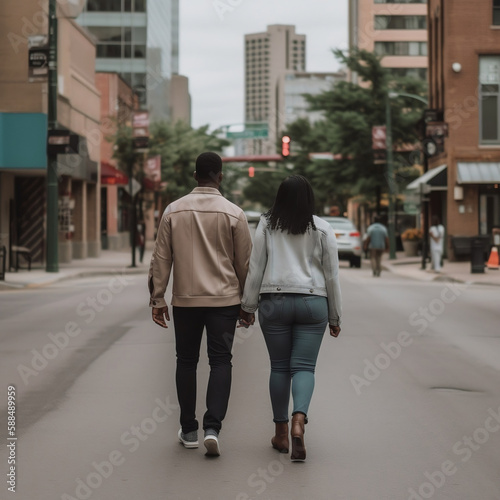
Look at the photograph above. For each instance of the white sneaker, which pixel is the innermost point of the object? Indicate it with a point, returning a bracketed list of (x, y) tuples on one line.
[(211, 443), (189, 440)]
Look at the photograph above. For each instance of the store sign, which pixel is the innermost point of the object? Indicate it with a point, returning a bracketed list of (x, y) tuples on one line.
[(60, 142), (152, 168), (140, 126), (379, 137)]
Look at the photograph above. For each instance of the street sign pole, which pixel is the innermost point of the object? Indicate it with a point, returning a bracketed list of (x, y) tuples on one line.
[(390, 180), (52, 258)]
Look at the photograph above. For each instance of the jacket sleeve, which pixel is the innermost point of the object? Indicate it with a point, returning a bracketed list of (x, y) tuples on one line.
[(258, 262), (242, 249), (161, 263), (331, 272)]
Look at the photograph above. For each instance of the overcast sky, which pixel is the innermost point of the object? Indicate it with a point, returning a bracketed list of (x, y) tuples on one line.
[(211, 47)]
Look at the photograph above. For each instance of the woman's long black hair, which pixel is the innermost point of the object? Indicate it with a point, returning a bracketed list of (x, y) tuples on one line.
[(293, 207)]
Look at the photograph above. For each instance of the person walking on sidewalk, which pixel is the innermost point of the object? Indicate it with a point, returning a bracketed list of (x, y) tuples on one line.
[(207, 240), (377, 241), (294, 267), (436, 232)]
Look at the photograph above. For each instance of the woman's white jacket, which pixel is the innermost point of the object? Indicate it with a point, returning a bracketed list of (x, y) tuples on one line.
[(294, 263)]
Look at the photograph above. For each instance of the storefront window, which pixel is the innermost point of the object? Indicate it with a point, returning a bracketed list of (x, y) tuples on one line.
[(489, 88)]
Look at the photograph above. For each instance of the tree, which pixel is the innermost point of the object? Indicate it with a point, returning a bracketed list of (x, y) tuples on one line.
[(178, 145), (350, 111)]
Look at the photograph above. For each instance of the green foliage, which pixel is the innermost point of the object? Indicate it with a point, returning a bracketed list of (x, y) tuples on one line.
[(178, 145), (350, 111), (263, 187)]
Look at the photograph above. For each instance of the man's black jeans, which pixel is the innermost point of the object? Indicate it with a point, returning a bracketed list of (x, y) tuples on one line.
[(220, 323)]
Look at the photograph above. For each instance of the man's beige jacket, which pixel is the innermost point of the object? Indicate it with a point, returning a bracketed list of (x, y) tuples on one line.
[(207, 239)]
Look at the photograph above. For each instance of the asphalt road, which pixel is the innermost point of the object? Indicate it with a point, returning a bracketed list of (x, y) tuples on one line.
[(406, 404)]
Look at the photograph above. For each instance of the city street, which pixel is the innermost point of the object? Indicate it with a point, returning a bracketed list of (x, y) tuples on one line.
[(406, 404)]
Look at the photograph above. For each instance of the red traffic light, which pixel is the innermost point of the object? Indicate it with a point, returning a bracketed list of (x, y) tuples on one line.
[(285, 146), (251, 171)]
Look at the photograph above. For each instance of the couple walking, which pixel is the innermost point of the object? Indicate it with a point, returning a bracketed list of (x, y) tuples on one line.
[(218, 278)]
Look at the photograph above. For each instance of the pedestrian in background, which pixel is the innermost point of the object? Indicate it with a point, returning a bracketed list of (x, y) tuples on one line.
[(377, 242), (207, 240), (294, 267), (436, 232), (140, 239)]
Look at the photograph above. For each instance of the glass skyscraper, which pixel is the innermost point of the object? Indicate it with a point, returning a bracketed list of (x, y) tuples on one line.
[(139, 40)]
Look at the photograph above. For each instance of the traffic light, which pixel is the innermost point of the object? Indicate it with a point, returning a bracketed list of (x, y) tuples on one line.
[(251, 171), (285, 146)]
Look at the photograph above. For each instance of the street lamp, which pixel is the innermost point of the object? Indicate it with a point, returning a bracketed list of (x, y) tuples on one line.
[(390, 166)]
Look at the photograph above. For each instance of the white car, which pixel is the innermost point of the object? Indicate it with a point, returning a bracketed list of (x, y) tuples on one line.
[(348, 239)]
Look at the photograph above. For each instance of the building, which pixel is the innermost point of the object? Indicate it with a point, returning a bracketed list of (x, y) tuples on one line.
[(268, 56), (139, 40), (464, 85), (180, 100), (23, 136), (395, 31), (118, 101), (298, 83)]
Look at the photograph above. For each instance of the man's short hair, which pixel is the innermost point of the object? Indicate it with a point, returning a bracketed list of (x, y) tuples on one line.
[(208, 166), (377, 218)]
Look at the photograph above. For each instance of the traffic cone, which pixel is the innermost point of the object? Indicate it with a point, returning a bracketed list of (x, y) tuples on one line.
[(493, 260)]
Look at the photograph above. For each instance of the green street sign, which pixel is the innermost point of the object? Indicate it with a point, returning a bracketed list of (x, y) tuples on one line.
[(248, 134)]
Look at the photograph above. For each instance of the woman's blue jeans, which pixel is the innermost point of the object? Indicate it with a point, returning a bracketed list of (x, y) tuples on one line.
[(293, 326)]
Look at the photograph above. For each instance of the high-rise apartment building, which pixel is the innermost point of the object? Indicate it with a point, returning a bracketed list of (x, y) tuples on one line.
[(138, 39), (397, 31), (268, 56), (298, 83)]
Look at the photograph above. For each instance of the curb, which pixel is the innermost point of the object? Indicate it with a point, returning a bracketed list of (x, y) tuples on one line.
[(443, 278), (82, 274)]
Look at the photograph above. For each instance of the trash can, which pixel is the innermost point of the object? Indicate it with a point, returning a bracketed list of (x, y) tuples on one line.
[(477, 255), (3, 256)]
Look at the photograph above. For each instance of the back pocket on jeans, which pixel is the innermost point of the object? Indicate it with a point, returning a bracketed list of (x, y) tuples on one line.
[(317, 308), (270, 306)]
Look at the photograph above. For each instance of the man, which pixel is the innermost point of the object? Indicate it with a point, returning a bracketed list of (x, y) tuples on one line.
[(436, 232), (207, 239), (377, 241)]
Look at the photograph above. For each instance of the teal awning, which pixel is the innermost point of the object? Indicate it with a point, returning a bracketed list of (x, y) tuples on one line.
[(23, 138)]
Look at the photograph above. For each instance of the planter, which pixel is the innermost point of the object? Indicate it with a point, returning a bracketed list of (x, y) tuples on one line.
[(410, 248)]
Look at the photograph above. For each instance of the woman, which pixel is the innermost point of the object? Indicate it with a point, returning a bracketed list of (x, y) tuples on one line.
[(436, 232), (294, 268)]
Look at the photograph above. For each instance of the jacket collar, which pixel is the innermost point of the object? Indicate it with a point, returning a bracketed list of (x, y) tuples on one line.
[(205, 190)]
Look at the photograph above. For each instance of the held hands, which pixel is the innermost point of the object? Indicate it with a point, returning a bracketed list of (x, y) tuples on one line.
[(246, 319), (334, 331), (159, 315)]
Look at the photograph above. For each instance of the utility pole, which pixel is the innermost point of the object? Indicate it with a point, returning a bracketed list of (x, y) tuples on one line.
[(52, 258), (390, 179), (132, 219)]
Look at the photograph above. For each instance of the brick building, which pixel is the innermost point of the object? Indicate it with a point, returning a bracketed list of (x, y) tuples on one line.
[(464, 85), (396, 31), (23, 135), (117, 104)]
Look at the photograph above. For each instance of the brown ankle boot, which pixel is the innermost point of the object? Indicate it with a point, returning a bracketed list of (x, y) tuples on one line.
[(298, 446), (280, 439)]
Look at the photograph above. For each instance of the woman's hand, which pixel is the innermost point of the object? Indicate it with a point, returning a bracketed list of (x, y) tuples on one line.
[(246, 319), (334, 331)]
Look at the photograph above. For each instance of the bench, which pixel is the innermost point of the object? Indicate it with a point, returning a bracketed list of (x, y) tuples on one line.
[(24, 252)]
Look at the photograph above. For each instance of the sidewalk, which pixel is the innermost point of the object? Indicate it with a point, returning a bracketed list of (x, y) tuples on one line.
[(108, 263), (458, 272)]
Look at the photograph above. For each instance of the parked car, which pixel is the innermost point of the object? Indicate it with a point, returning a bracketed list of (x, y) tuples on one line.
[(253, 216), (348, 239)]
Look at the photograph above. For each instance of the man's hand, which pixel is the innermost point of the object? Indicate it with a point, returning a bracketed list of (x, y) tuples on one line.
[(246, 318), (159, 316), (334, 331)]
